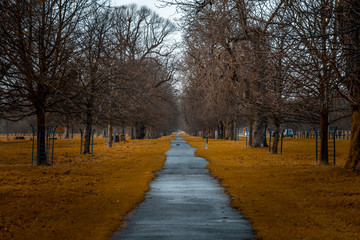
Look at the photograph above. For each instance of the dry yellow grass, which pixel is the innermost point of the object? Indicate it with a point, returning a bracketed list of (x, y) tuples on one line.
[(81, 196), (286, 196)]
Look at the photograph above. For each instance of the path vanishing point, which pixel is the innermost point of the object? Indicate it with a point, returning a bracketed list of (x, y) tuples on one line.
[(185, 202)]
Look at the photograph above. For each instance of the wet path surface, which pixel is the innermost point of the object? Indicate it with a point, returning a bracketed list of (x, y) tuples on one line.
[(185, 202)]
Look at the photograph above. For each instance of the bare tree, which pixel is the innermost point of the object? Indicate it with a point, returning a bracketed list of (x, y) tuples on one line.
[(94, 63), (37, 49), (349, 22), (317, 59), (242, 56), (141, 39)]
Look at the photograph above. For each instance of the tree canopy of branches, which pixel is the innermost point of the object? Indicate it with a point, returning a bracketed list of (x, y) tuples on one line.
[(36, 57), (271, 63), (349, 22), (88, 63)]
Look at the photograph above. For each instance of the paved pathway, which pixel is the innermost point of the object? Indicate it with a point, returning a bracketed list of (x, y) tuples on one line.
[(185, 202)]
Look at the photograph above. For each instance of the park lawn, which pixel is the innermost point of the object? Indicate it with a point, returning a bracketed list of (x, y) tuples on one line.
[(287, 196), (81, 196)]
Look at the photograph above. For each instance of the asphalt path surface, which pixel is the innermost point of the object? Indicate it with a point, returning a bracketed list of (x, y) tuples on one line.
[(185, 202)]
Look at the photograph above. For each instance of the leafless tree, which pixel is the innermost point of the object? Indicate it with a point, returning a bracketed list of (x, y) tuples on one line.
[(142, 43), (348, 16), (93, 63), (37, 48), (288, 77)]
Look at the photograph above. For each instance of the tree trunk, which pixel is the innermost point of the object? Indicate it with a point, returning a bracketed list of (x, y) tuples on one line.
[(349, 20), (123, 133), (259, 132), (220, 130), (149, 133), (110, 136), (204, 133), (235, 132), (213, 133), (324, 88), (324, 156), (251, 129), (275, 145), (67, 131), (230, 130), (132, 132), (89, 112), (226, 130), (265, 142), (41, 137), (140, 131), (88, 131), (353, 160)]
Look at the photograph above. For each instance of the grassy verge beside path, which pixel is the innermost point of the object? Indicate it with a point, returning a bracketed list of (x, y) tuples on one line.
[(286, 196), (81, 196)]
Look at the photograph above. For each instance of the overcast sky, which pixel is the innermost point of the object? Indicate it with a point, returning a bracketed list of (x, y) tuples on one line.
[(168, 12)]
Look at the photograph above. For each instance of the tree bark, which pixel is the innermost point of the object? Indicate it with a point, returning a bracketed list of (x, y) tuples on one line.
[(67, 131), (132, 132), (41, 137), (140, 131), (324, 88), (275, 145), (350, 23), (231, 130), (220, 130), (227, 131), (353, 161), (213, 133), (251, 127), (235, 132), (259, 132), (324, 156), (110, 136), (148, 133), (88, 131), (265, 144)]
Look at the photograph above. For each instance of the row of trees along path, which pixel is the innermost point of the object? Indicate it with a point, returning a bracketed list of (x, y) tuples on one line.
[(271, 63), (84, 62), (254, 62)]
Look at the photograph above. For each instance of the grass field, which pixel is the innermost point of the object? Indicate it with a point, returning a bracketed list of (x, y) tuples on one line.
[(287, 196), (81, 196), (87, 196)]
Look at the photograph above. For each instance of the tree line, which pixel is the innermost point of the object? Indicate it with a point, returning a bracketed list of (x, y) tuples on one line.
[(88, 63), (269, 63)]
